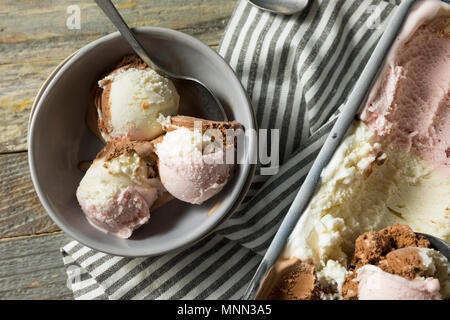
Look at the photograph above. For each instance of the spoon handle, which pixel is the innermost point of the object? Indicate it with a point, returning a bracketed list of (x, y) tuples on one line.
[(113, 15)]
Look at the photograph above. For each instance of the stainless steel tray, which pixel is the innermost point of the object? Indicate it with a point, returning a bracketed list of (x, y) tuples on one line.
[(338, 132)]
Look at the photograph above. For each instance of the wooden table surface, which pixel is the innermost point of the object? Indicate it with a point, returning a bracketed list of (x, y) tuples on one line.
[(34, 38)]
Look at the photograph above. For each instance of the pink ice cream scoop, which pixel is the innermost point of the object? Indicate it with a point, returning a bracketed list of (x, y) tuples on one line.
[(116, 194), (375, 284), (187, 173), (123, 213), (192, 179)]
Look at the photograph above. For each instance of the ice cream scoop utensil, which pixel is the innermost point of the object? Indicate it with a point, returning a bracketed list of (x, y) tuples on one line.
[(287, 7), (183, 83)]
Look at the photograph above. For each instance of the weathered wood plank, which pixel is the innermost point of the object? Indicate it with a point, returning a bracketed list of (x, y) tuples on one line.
[(21, 213), (32, 268), (18, 86), (34, 38), (37, 30)]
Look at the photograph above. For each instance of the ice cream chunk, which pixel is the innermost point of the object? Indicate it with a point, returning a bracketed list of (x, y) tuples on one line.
[(395, 263), (120, 187), (192, 165), (375, 284), (131, 99), (291, 280)]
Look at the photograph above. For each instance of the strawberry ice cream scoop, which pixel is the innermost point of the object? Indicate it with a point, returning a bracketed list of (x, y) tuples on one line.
[(116, 194), (376, 284), (123, 213), (186, 171)]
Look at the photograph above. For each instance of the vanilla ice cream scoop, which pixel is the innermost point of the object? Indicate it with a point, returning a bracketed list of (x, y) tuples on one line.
[(131, 99), (192, 167), (120, 187)]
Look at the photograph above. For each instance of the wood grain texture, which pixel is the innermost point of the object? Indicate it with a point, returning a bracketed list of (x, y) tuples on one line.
[(21, 213), (34, 38), (32, 268)]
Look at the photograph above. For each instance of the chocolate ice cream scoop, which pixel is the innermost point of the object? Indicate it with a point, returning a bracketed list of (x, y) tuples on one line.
[(290, 279)]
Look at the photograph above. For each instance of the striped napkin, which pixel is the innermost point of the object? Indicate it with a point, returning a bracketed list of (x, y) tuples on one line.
[(297, 71)]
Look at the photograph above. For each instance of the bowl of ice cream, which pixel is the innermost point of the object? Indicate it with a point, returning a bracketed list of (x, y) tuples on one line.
[(119, 203)]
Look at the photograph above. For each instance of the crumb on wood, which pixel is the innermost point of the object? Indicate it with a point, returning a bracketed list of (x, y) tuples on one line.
[(35, 284)]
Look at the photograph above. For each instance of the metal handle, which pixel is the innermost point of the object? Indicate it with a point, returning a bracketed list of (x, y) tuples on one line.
[(111, 12)]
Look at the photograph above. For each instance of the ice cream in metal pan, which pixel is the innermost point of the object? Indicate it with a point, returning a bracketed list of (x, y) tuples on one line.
[(392, 167), (393, 263)]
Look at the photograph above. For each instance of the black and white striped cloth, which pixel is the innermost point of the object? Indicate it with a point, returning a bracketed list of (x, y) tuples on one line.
[(298, 71)]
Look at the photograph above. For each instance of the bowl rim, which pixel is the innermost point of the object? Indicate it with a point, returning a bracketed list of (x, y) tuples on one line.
[(249, 169)]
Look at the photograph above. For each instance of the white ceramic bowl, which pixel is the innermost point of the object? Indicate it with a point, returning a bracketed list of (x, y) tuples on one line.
[(59, 139)]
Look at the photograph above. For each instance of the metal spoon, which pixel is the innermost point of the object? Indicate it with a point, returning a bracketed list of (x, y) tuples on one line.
[(191, 90), (287, 7)]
